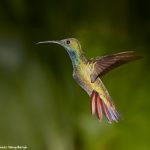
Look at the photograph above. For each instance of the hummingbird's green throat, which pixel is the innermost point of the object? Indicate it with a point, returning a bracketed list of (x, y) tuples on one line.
[(87, 73)]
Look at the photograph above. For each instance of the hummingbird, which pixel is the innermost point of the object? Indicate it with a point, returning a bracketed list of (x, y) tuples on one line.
[(88, 72)]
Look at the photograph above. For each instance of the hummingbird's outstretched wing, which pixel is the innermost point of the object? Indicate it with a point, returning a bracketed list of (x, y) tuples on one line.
[(102, 65)]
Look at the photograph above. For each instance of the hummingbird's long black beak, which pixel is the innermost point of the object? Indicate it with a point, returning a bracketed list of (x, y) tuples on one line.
[(44, 42)]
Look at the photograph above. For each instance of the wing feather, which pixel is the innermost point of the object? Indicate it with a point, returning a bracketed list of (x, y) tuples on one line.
[(104, 64)]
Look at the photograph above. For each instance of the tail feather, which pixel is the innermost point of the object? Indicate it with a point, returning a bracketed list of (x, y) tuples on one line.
[(100, 107), (93, 106), (106, 112)]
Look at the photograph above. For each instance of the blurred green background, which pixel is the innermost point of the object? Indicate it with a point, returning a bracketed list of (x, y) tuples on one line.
[(41, 106)]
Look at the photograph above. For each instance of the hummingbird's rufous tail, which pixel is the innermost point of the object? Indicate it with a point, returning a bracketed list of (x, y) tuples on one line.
[(100, 105)]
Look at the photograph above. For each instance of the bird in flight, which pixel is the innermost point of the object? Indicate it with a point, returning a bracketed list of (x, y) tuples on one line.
[(88, 72)]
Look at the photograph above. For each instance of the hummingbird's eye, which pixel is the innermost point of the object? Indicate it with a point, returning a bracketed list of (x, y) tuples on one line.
[(68, 41)]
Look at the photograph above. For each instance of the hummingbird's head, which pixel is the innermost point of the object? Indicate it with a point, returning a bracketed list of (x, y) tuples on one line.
[(72, 45)]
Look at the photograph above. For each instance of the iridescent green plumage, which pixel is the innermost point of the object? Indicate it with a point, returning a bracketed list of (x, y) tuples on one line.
[(87, 74)]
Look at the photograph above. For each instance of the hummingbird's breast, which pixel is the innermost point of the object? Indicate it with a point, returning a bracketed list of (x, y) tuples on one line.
[(82, 74)]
